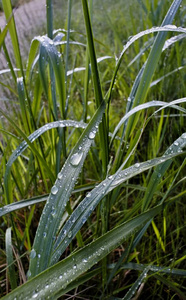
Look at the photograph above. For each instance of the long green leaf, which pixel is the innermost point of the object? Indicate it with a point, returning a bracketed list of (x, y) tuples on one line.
[(60, 193)]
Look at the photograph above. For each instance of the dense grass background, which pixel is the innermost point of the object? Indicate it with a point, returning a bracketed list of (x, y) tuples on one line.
[(131, 211)]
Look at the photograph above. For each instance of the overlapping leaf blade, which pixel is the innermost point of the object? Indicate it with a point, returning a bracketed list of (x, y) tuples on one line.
[(85, 208), (60, 275), (60, 193)]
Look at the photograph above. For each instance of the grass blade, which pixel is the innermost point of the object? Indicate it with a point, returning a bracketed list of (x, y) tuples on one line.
[(10, 260), (147, 105), (21, 204), (4, 33), (59, 196), (160, 170), (7, 7)]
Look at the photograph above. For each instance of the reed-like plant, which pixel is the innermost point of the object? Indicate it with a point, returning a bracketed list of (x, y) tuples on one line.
[(107, 179)]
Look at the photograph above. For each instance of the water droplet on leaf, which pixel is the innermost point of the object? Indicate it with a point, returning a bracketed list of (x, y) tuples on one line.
[(70, 234), (33, 254), (76, 158), (54, 190), (92, 135)]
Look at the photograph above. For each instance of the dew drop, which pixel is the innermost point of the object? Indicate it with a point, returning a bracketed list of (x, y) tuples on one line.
[(75, 267), (33, 254), (137, 165), (84, 220), (76, 158), (70, 234), (54, 190), (92, 135), (59, 176), (35, 296)]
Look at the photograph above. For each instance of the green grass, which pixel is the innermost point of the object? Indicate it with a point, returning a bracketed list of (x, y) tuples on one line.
[(93, 155)]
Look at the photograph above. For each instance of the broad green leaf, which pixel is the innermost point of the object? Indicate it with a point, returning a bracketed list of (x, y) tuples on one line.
[(60, 193)]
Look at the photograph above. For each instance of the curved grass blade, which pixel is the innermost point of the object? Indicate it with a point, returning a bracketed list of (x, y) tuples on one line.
[(162, 29), (10, 260), (31, 138), (166, 75), (21, 204), (92, 199), (173, 40), (65, 272), (147, 105), (28, 142), (79, 69), (60, 193), (131, 97), (152, 269), (160, 170)]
